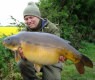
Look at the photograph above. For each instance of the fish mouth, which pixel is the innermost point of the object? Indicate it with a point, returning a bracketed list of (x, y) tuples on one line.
[(3, 42), (13, 48)]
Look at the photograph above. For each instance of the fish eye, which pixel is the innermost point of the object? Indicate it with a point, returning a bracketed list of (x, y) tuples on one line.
[(9, 39)]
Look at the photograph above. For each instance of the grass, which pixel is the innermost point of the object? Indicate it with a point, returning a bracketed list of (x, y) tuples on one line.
[(69, 71), (88, 49)]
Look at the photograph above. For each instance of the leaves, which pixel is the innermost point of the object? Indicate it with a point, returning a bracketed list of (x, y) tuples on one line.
[(76, 18), (7, 63)]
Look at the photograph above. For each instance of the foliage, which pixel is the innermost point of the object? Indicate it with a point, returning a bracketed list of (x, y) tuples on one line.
[(8, 68), (17, 22), (76, 18)]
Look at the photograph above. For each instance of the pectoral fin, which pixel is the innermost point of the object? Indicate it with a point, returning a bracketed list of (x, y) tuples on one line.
[(17, 57), (37, 67)]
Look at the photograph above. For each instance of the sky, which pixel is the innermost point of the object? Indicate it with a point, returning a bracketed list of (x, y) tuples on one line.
[(12, 8)]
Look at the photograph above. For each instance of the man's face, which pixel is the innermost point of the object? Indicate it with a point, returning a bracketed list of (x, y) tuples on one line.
[(31, 21)]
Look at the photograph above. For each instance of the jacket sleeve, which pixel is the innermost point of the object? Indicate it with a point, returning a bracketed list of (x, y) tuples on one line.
[(53, 29)]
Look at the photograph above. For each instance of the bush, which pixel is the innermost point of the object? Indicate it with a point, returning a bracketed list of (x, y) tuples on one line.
[(8, 68)]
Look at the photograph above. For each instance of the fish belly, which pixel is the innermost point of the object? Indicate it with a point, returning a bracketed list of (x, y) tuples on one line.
[(41, 54)]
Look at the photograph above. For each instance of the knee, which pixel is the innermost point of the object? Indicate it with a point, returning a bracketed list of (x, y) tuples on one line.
[(24, 64)]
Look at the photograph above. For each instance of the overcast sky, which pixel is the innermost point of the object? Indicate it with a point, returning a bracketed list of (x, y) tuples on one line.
[(12, 8)]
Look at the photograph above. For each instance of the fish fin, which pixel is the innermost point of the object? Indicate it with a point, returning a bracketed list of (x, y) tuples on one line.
[(37, 67), (80, 67), (67, 41), (17, 57), (85, 61)]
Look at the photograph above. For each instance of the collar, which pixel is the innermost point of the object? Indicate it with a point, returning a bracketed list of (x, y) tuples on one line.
[(41, 25), (44, 23)]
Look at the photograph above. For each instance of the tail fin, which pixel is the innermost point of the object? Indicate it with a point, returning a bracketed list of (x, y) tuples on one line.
[(85, 61)]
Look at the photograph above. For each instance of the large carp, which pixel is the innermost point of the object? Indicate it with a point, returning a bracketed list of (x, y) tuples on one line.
[(45, 49)]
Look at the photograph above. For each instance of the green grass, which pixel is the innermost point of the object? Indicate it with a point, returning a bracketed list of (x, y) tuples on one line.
[(69, 71), (88, 49)]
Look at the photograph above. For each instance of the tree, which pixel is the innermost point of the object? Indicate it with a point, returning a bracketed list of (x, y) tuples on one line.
[(76, 18)]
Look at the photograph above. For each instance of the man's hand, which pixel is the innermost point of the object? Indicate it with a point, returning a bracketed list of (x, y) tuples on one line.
[(62, 59), (20, 53)]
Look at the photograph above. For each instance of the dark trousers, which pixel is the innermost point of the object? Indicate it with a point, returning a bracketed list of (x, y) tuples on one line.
[(28, 72)]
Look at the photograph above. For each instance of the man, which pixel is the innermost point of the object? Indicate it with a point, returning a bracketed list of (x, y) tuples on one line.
[(34, 23)]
